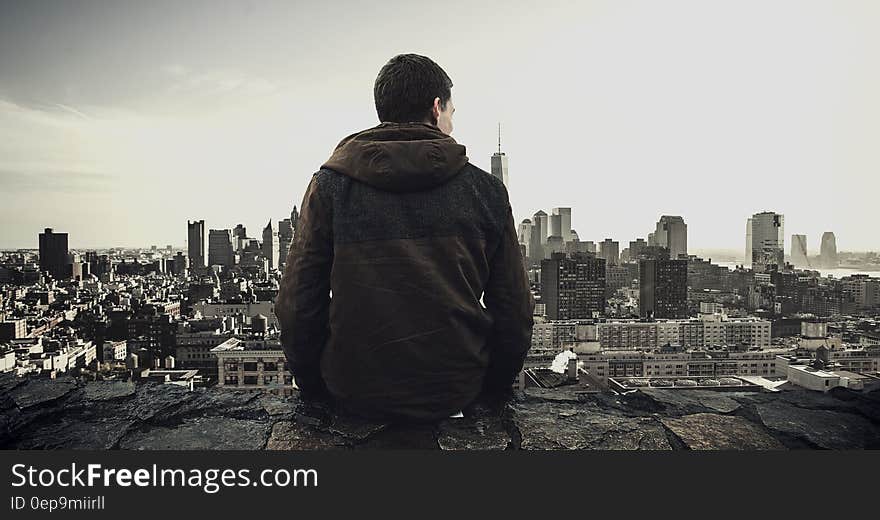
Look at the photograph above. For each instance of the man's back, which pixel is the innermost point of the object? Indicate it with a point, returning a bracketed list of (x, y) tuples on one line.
[(408, 235)]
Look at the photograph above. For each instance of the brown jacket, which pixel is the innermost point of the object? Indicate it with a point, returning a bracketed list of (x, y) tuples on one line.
[(407, 236)]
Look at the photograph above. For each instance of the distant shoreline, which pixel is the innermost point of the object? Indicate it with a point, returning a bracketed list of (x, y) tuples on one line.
[(838, 272)]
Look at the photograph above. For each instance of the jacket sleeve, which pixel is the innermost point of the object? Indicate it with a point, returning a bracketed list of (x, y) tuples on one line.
[(303, 302), (509, 301)]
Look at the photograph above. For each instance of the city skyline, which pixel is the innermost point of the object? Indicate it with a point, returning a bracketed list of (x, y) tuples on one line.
[(144, 122)]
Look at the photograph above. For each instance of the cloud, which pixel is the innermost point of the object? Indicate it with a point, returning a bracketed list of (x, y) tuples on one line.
[(73, 111), (216, 82), (49, 179)]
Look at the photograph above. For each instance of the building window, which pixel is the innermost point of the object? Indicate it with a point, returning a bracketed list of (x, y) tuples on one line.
[(250, 367), (250, 380)]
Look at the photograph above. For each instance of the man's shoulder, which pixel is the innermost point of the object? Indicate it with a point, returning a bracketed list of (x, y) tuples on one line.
[(484, 179)]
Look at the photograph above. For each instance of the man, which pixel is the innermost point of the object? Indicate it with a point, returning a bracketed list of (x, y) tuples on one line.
[(408, 236)]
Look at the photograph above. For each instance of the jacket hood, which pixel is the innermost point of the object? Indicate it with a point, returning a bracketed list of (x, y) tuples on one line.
[(399, 157)]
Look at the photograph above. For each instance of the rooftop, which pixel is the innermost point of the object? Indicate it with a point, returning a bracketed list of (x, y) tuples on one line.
[(66, 414)]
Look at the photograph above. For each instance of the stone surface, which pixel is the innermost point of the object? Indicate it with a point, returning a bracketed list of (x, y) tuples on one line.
[(473, 433), (293, 436), (821, 428), (683, 402), (89, 434), (39, 391), (554, 426), (68, 414), (210, 433), (107, 390), (707, 431)]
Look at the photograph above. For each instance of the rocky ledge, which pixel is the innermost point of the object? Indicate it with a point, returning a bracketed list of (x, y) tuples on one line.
[(66, 414)]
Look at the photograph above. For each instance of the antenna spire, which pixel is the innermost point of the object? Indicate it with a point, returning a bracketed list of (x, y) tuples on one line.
[(499, 138)]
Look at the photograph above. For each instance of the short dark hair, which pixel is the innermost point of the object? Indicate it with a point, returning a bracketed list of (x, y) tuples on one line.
[(406, 87)]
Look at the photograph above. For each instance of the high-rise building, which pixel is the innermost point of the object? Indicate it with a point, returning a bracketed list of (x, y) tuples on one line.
[(555, 227), (554, 244), (542, 225), (220, 248), (180, 263), (271, 245), (538, 238), (671, 233), (573, 288), (610, 251), (564, 222), (239, 235), (525, 236), (765, 241), (54, 256), (799, 256), (499, 161), (828, 251), (294, 218), (196, 243), (285, 238), (663, 288), (636, 247)]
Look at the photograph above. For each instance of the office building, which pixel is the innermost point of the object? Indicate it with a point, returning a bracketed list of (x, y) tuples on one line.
[(573, 287), (765, 241), (610, 251), (555, 227), (564, 222), (271, 245), (525, 237), (196, 244), (671, 233), (799, 257), (663, 288), (257, 364), (285, 238), (54, 256), (239, 235), (636, 247), (828, 251), (220, 247)]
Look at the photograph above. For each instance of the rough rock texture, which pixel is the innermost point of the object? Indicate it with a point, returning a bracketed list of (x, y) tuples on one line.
[(67, 414), (708, 431)]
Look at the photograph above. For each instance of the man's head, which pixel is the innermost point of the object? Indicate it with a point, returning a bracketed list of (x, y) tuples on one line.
[(413, 88)]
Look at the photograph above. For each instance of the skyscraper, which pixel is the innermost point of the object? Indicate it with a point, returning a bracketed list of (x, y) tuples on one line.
[(671, 233), (294, 218), (573, 288), (610, 251), (239, 235), (663, 288), (828, 251), (285, 237), (271, 245), (542, 225), (525, 236), (564, 223), (636, 247), (220, 248), (196, 243), (765, 241), (799, 256), (499, 161), (54, 254), (556, 227)]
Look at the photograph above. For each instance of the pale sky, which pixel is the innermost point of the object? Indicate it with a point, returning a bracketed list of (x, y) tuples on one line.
[(121, 120)]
